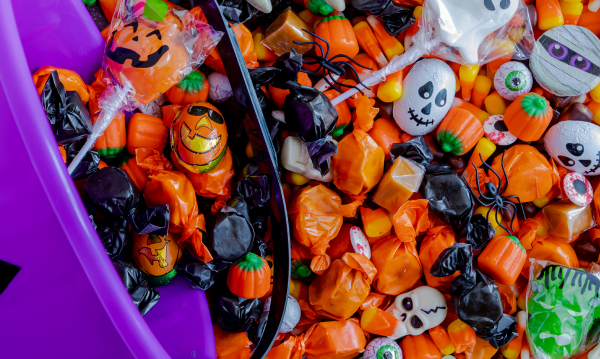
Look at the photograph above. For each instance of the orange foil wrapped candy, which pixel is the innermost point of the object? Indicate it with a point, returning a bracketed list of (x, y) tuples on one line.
[(164, 56), (436, 240), (343, 288), (174, 189), (199, 137), (316, 218), (358, 164), (342, 339), (530, 175)]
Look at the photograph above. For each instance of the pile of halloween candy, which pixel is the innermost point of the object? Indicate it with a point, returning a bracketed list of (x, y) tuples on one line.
[(438, 157)]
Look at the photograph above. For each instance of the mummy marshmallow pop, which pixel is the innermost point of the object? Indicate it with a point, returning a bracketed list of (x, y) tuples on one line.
[(566, 60)]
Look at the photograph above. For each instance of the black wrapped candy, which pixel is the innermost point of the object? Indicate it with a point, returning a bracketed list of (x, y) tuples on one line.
[(143, 296), (475, 295)]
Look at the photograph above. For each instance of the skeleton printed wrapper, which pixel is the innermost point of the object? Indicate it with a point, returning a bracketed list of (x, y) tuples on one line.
[(343, 288), (563, 306)]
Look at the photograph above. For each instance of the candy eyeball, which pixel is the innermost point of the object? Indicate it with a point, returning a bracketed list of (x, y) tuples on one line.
[(495, 130), (512, 80), (578, 189), (383, 348)]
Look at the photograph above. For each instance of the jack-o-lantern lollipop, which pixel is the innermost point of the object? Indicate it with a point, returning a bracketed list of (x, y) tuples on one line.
[(151, 59), (199, 137)]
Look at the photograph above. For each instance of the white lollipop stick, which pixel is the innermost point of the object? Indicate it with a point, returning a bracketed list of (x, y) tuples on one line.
[(112, 106)]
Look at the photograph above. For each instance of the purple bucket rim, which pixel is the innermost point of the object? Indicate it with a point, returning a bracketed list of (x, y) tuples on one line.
[(53, 174)]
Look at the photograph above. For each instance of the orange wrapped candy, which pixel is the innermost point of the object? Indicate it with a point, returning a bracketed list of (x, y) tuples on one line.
[(530, 175), (231, 345), (244, 39), (174, 189), (343, 288), (437, 239), (70, 80), (214, 184), (551, 249), (358, 164), (334, 340), (316, 218), (395, 257)]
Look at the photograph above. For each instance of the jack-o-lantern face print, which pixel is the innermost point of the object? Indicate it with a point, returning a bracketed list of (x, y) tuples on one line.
[(156, 255), (151, 59), (199, 137)]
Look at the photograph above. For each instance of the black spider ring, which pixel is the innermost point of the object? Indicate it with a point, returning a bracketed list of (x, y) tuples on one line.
[(495, 198), (329, 66)]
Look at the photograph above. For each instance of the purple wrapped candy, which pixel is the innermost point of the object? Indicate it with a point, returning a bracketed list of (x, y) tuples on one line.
[(383, 348)]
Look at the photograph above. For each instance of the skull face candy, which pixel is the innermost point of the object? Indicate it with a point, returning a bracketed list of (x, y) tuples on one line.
[(419, 310), (464, 24), (574, 145), (429, 89)]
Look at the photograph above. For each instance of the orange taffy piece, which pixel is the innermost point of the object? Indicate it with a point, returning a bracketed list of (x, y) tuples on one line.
[(365, 113), (231, 345), (358, 164), (334, 340), (551, 249), (530, 175), (436, 240), (385, 132), (174, 189), (316, 219), (339, 292), (481, 350), (214, 184)]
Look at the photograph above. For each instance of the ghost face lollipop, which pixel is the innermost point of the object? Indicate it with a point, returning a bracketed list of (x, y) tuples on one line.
[(429, 89), (464, 24)]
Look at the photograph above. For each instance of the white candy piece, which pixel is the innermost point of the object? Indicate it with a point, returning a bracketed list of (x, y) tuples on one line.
[(419, 310), (295, 158), (359, 241), (291, 317), (262, 5), (219, 88), (575, 145), (429, 89), (464, 24)]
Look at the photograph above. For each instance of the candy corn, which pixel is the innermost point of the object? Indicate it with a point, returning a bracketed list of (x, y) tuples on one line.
[(549, 14), (513, 349), (476, 111), (495, 104), (481, 90), (263, 53), (467, 76), (461, 335), (484, 147), (368, 42), (440, 337), (391, 89), (375, 222), (571, 11), (298, 289), (376, 321), (389, 44), (595, 108)]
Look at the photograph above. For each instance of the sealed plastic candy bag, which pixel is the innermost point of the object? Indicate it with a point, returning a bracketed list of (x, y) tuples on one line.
[(468, 32), (563, 305), (316, 219), (339, 292), (150, 48)]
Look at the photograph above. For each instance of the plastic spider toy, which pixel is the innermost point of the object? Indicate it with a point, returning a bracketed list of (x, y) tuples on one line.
[(494, 195), (332, 70)]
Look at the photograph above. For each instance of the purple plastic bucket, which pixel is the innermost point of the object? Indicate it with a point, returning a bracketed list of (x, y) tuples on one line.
[(67, 300)]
